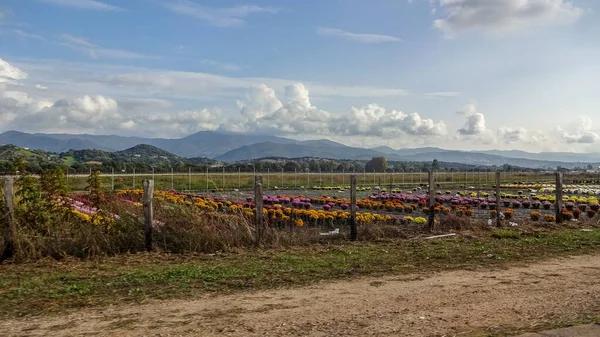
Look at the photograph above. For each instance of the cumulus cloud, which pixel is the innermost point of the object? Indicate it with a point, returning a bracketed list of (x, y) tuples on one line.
[(358, 37), (374, 120), (475, 127), (521, 135), (496, 16), (475, 122), (9, 73), (263, 111), (511, 136), (579, 132)]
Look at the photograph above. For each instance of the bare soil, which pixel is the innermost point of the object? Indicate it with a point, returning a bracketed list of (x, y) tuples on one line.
[(457, 303)]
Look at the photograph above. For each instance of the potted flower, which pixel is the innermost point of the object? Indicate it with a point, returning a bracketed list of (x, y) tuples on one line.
[(535, 216), (566, 214), (576, 213), (546, 204), (508, 213), (591, 213)]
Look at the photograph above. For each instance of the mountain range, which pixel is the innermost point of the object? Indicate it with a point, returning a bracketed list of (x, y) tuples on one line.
[(229, 147)]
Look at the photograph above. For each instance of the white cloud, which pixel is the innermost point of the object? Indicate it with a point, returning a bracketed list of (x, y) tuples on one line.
[(220, 17), (9, 73), (475, 126), (497, 16), (94, 51), (579, 131), (40, 87), (511, 136), (222, 65), (264, 112), (26, 35), (442, 94), (358, 37), (84, 4)]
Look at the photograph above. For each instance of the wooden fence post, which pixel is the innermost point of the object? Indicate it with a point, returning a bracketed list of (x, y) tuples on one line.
[(498, 223), (147, 204), (9, 243), (559, 195), (353, 229), (258, 217), (431, 220)]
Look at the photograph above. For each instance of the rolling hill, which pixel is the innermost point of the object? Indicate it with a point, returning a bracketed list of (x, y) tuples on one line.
[(238, 146)]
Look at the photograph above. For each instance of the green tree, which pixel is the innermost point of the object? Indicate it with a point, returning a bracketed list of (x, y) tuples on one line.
[(53, 182), (377, 164), (435, 165), (95, 186)]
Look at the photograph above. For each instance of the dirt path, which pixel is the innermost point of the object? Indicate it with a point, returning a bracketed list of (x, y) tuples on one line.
[(444, 304)]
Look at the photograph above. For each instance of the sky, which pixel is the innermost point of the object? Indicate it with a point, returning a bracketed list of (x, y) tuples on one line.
[(456, 74)]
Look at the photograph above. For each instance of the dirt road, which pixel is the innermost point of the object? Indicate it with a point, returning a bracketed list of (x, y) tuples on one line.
[(464, 303)]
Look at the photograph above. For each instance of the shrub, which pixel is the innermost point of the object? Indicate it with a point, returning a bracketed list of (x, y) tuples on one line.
[(535, 216)]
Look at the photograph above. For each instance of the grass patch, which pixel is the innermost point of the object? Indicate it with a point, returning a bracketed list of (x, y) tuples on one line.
[(506, 234), (49, 286)]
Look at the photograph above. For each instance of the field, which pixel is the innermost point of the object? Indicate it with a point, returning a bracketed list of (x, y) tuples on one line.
[(86, 251), (203, 182)]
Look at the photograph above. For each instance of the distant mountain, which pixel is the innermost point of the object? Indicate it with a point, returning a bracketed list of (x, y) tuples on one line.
[(476, 158), (200, 144), (237, 146), (550, 156), (269, 149)]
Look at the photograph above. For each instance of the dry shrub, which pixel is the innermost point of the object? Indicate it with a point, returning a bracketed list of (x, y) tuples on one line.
[(382, 231), (452, 222)]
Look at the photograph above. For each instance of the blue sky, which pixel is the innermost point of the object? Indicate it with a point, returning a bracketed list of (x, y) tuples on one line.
[(464, 74)]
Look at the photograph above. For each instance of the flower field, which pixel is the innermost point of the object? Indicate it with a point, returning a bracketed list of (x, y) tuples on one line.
[(52, 222)]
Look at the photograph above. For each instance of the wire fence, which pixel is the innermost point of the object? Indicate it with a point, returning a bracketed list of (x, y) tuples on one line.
[(211, 181)]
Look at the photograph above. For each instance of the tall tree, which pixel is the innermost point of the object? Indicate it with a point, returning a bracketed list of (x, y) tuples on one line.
[(377, 164)]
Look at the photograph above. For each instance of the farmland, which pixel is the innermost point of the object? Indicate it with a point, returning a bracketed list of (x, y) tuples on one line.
[(216, 179)]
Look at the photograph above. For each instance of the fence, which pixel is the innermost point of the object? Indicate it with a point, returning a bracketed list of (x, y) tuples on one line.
[(221, 180), (432, 187), (352, 221)]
